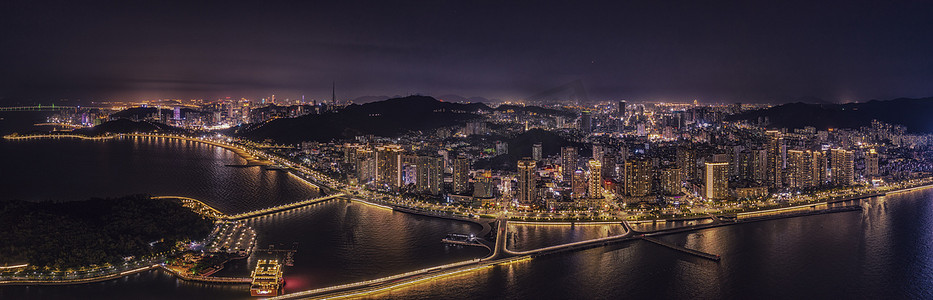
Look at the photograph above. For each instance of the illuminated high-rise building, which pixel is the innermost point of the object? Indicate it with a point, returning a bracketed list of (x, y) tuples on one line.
[(638, 177), (805, 168), (349, 152), (819, 168), (596, 179), (527, 181), (578, 184), (871, 163), (752, 165), (537, 151), (609, 164), (598, 152), (717, 181), (460, 174), (388, 164), (686, 162), (775, 171), (365, 160), (568, 161), (671, 181), (430, 170), (799, 169), (843, 165)]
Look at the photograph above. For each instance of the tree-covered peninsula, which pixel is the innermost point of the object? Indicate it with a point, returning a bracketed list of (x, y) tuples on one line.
[(96, 231)]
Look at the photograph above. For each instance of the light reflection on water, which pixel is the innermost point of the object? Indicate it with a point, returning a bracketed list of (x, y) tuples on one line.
[(339, 241), (70, 169), (884, 252), (523, 237)]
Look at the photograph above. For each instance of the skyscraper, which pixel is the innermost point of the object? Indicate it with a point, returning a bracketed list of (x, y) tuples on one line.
[(621, 108), (671, 181), (843, 165), (536, 151), (388, 165), (717, 180), (799, 169), (578, 184), (686, 162), (526, 181), (365, 165), (598, 152), (819, 168), (775, 149), (752, 165), (638, 177), (609, 164), (586, 122), (460, 175), (596, 179), (568, 161), (430, 170), (871, 163)]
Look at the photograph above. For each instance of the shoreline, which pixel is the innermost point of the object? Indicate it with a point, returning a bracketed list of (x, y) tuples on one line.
[(78, 281), (102, 278), (251, 160), (245, 154), (471, 264), (239, 151)]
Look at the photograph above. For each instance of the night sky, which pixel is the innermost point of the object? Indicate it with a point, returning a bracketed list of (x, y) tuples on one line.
[(774, 51)]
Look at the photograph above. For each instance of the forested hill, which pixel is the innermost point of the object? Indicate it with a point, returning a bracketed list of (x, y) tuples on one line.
[(96, 231)]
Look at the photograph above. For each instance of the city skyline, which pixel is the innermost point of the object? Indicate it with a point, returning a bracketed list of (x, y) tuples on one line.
[(723, 52), (466, 150)]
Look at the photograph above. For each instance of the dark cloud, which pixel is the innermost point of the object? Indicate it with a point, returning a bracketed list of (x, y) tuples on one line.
[(722, 51)]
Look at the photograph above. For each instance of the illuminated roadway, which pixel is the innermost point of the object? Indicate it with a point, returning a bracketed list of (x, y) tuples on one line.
[(275, 209), (501, 255), (392, 282), (205, 209)]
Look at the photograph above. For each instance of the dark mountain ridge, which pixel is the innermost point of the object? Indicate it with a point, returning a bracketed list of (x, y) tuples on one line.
[(915, 114), (390, 117)]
